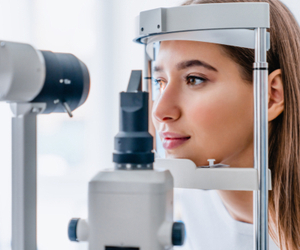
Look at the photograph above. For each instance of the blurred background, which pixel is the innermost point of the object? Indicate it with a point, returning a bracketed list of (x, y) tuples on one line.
[(72, 151)]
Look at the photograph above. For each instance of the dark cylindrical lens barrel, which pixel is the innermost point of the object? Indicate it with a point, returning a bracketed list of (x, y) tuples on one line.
[(133, 144), (67, 81), (134, 112)]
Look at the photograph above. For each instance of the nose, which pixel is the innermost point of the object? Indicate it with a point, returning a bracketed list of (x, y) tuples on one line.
[(166, 107)]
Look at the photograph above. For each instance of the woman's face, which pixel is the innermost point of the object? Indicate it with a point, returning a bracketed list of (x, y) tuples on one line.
[(205, 108)]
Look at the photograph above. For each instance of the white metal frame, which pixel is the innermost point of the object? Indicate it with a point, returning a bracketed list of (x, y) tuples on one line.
[(24, 174), (236, 24)]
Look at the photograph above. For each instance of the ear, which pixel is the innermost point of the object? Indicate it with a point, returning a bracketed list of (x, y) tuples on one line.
[(275, 93)]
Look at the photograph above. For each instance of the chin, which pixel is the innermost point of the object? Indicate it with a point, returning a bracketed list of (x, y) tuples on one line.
[(177, 156), (198, 162)]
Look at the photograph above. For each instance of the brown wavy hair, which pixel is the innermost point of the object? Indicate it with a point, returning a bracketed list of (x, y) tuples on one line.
[(284, 133)]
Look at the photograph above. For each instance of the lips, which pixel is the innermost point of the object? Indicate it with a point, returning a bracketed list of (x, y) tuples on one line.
[(172, 140)]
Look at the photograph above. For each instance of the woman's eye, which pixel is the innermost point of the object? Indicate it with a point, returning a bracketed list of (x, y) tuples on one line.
[(160, 84), (194, 80)]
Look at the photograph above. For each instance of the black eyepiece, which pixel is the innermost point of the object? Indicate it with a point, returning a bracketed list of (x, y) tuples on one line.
[(67, 82), (134, 144)]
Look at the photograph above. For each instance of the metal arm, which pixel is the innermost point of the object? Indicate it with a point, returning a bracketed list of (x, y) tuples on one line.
[(24, 174)]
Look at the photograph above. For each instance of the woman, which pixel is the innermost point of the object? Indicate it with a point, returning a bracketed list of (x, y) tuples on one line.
[(205, 111)]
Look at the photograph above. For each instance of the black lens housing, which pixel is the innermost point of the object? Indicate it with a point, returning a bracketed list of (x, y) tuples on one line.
[(133, 143), (67, 81)]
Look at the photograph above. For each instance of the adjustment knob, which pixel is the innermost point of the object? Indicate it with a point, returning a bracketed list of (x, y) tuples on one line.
[(178, 233), (72, 229)]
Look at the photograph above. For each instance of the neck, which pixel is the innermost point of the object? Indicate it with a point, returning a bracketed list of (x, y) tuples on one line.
[(239, 204)]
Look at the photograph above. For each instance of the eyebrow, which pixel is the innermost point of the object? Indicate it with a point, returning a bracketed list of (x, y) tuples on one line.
[(187, 64)]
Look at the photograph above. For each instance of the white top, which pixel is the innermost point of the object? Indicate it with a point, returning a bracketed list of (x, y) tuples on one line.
[(208, 224)]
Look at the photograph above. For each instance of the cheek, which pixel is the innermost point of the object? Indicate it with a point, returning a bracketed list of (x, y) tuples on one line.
[(218, 112), (222, 118)]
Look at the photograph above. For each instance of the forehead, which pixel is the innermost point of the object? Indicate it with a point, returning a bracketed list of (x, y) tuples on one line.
[(171, 52)]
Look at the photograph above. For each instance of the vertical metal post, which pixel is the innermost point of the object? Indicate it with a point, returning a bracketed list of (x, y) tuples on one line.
[(24, 175), (260, 197), (146, 76)]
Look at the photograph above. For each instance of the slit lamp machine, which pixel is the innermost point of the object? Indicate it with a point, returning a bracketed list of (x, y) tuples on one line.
[(130, 205)]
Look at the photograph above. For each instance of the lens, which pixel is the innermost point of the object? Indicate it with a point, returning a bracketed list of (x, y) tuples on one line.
[(67, 81)]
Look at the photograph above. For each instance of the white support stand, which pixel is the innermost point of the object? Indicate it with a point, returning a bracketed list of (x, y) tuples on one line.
[(24, 174), (187, 175)]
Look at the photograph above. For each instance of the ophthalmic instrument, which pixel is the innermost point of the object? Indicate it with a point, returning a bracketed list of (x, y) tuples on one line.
[(130, 204)]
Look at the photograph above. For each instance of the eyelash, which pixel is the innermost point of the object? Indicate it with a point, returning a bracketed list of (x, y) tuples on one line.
[(158, 82), (197, 78)]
